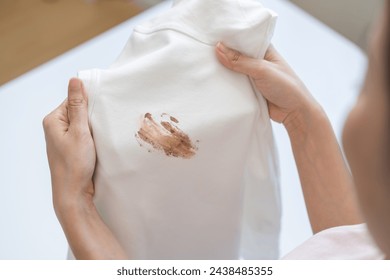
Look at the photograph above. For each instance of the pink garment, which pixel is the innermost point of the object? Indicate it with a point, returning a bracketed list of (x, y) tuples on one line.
[(339, 243)]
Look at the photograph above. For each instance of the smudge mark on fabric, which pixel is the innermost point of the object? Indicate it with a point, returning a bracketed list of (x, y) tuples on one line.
[(166, 136)]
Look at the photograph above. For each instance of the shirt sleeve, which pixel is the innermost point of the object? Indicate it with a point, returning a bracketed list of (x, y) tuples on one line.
[(338, 243)]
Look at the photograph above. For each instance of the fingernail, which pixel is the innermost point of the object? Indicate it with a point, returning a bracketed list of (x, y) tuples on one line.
[(74, 84), (222, 47)]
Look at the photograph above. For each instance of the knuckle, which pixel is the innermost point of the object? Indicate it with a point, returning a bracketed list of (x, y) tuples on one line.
[(76, 102), (235, 56), (46, 122)]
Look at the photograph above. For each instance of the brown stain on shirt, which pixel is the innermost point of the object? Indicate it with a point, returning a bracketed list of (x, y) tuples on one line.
[(166, 136)]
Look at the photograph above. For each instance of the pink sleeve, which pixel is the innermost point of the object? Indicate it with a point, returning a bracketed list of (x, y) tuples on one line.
[(339, 243)]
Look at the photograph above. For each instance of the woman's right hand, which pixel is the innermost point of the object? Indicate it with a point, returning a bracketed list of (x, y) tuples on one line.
[(72, 158), (289, 101)]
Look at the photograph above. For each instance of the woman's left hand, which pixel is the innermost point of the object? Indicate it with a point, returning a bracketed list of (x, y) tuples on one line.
[(70, 150)]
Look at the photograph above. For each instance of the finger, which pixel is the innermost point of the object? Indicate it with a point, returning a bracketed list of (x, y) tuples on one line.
[(239, 62), (77, 105), (57, 120)]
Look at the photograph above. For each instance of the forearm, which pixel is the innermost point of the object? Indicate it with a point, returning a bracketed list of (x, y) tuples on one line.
[(88, 236), (326, 182)]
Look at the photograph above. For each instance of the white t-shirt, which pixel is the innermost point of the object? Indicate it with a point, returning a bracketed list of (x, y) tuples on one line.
[(339, 243), (186, 165)]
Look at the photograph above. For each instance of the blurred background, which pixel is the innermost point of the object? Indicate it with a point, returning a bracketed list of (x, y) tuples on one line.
[(351, 18), (35, 31)]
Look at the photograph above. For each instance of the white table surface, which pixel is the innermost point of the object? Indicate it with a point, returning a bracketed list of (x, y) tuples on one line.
[(331, 67)]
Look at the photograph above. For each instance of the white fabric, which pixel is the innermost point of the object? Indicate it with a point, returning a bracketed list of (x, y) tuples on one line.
[(339, 243), (221, 202)]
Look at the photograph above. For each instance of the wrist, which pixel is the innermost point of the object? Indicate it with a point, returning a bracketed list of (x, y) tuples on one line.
[(68, 205), (301, 122), (71, 214)]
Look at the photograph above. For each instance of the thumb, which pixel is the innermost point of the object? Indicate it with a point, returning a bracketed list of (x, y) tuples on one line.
[(238, 62), (77, 105)]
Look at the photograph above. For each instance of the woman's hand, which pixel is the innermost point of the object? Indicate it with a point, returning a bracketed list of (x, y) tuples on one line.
[(325, 179), (72, 158), (289, 101), (70, 150)]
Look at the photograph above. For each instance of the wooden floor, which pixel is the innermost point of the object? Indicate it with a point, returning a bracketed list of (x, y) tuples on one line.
[(35, 31)]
